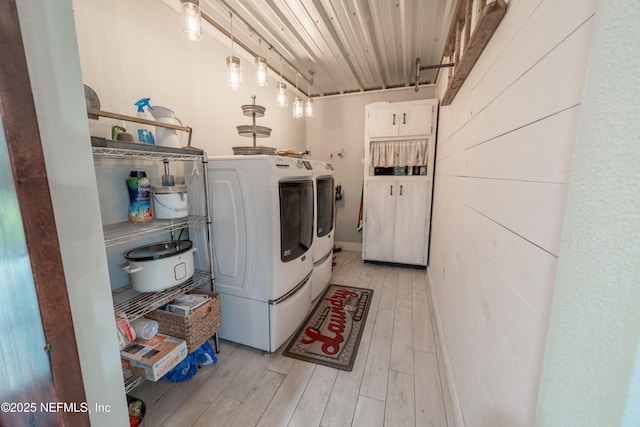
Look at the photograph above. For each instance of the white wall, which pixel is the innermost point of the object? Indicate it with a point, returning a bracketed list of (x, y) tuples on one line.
[(339, 124), (589, 376), (135, 49), (503, 165), (54, 70)]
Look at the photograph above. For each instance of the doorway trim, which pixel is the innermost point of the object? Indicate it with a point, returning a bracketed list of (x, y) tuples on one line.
[(32, 190)]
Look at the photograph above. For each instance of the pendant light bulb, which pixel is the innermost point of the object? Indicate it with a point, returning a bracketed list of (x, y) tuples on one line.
[(191, 28), (308, 105), (282, 100), (261, 71), (234, 69), (297, 103), (262, 78), (297, 107), (234, 72), (308, 108)]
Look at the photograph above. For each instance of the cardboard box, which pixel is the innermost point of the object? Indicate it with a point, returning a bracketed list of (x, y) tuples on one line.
[(151, 359), (187, 305)]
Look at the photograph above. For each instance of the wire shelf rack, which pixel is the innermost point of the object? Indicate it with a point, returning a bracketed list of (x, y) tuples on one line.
[(136, 304), (119, 153), (131, 383), (106, 148), (125, 299), (123, 232)]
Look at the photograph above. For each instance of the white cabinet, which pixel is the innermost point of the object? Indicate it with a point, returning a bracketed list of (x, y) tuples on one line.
[(396, 218), (399, 153), (400, 119)]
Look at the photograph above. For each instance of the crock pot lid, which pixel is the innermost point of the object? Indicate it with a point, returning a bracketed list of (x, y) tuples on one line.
[(159, 250)]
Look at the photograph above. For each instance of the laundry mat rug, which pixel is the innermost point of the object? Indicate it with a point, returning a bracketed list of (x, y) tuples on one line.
[(331, 334)]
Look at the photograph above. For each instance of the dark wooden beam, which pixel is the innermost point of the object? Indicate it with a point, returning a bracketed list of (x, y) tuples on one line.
[(32, 190), (451, 38), (467, 21), (488, 21)]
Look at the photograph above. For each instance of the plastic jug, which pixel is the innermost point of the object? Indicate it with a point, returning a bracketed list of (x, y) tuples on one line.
[(166, 137)]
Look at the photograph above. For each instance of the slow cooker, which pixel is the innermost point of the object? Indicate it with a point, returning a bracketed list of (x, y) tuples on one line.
[(160, 265)]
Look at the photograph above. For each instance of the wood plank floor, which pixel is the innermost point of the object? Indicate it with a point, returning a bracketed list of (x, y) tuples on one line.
[(396, 380)]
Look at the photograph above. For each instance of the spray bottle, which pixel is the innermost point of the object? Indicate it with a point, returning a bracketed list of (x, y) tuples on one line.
[(143, 133)]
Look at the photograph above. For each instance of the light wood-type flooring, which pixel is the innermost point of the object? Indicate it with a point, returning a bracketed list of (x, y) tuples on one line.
[(396, 380)]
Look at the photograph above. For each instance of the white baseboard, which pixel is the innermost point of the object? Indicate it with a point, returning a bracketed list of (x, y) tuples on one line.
[(349, 246), (444, 363)]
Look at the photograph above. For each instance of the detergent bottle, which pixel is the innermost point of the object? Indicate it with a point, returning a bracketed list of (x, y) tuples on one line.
[(143, 133), (139, 197)]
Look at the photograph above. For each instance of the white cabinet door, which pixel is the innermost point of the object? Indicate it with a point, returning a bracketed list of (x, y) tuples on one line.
[(415, 120), (379, 213), (412, 208), (400, 120), (396, 214), (382, 120)]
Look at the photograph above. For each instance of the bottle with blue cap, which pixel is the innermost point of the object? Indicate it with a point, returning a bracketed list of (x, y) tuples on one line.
[(144, 133)]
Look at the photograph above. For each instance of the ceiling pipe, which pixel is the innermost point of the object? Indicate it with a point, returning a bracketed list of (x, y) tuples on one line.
[(427, 67)]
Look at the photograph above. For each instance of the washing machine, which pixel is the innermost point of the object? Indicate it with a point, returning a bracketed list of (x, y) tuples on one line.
[(324, 221), (262, 237)]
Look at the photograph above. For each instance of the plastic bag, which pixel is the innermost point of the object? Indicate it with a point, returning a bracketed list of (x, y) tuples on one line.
[(183, 371), (204, 355), (136, 409), (126, 333), (186, 369)]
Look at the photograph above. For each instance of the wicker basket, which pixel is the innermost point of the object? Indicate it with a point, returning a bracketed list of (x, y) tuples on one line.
[(195, 328)]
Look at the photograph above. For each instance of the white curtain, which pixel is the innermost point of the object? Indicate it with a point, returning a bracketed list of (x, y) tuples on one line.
[(398, 153)]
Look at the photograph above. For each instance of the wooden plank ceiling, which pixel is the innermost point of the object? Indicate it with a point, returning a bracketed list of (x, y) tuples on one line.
[(341, 46)]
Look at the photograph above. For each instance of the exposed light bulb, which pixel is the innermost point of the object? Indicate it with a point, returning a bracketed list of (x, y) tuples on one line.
[(234, 72), (308, 108), (282, 100), (297, 107), (308, 105), (297, 103), (191, 28), (262, 79)]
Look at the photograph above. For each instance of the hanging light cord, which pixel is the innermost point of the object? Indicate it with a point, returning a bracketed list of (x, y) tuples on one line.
[(231, 30)]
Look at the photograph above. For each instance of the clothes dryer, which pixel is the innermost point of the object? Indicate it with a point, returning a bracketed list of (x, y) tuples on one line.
[(324, 220), (262, 236)]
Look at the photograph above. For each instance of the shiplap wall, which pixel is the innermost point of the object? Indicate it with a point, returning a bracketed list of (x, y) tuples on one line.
[(503, 165)]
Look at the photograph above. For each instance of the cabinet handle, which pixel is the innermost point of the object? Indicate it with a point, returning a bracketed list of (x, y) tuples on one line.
[(401, 190), (394, 119), (404, 118), (391, 190)]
